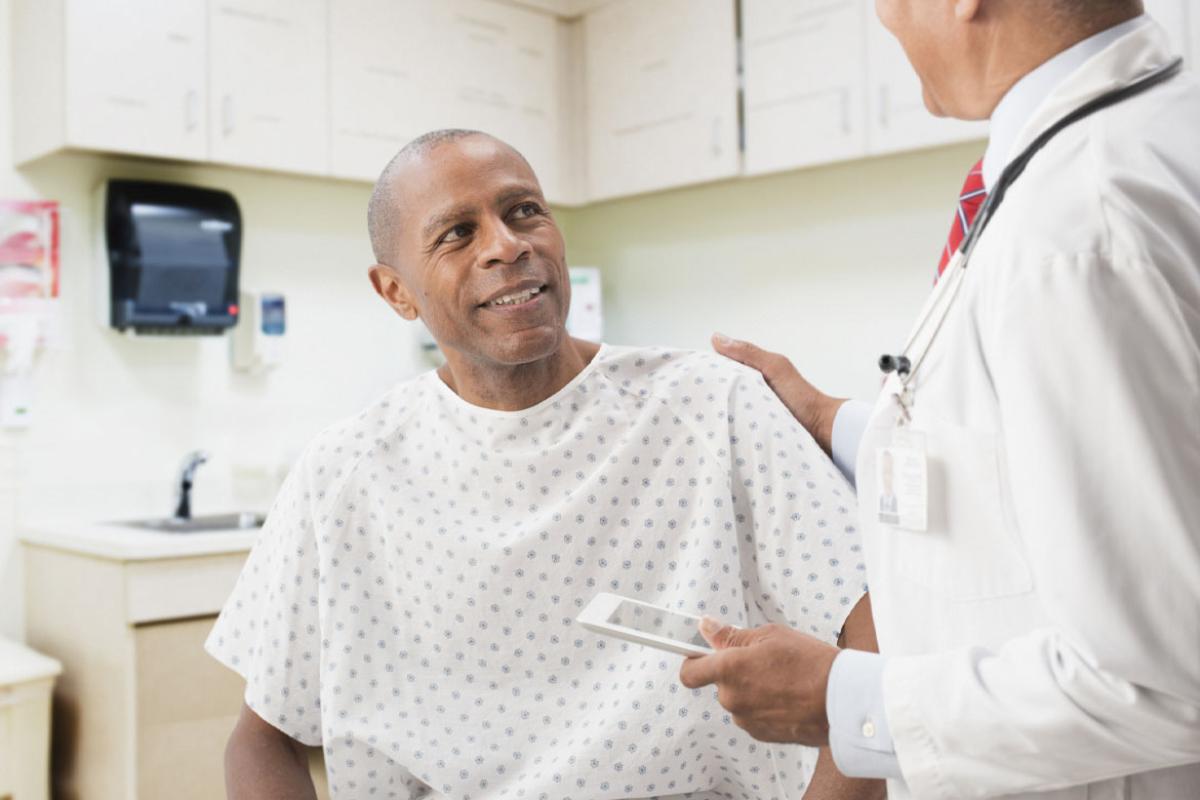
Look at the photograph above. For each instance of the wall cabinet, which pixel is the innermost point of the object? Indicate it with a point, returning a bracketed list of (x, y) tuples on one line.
[(633, 96), (268, 74), (140, 711), (400, 69), (660, 95), (897, 118), (383, 85), (125, 76), (501, 73), (804, 83)]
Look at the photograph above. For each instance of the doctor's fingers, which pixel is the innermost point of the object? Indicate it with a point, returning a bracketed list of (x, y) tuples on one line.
[(773, 366), (801, 398), (724, 636), (698, 671)]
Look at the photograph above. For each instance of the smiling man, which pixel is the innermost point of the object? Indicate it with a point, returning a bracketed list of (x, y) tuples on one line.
[(410, 604)]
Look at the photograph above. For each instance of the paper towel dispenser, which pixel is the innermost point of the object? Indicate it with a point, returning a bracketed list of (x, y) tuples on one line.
[(169, 258)]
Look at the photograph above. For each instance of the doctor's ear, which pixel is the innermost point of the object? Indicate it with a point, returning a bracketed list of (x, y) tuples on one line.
[(966, 10), (391, 288)]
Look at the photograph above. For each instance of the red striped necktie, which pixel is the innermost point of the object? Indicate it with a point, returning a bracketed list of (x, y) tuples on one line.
[(969, 202)]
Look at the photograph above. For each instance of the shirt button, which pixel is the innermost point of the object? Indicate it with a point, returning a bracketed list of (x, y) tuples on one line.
[(868, 729)]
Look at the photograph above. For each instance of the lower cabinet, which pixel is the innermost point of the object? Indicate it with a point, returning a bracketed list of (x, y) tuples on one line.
[(141, 711)]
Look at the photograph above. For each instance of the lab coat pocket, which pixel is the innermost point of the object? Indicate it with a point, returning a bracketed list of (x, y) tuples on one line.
[(971, 549)]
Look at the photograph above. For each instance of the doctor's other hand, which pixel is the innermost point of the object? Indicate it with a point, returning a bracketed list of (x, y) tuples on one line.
[(814, 409), (772, 680)]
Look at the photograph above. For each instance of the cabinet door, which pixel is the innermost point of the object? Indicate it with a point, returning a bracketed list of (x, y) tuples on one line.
[(896, 115), (661, 95), (804, 82), (384, 84), (187, 704), (268, 99), (135, 80), (502, 75), (1174, 16), (400, 69)]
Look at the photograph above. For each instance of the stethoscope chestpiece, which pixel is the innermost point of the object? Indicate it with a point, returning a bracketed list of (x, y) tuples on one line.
[(898, 364)]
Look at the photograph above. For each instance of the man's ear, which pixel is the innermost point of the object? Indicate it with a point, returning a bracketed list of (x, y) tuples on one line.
[(391, 288), (966, 10)]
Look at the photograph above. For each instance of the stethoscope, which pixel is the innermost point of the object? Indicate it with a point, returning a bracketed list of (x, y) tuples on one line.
[(906, 364)]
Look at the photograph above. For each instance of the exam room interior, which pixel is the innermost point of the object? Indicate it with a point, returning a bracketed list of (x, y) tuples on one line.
[(823, 264)]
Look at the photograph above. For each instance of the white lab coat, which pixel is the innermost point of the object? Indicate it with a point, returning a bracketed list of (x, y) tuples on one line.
[(1044, 632)]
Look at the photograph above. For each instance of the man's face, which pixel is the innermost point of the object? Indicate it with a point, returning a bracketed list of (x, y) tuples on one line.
[(934, 45), (481, 260)]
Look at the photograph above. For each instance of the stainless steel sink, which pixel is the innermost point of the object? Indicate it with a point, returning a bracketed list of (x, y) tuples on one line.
[(240, 520)]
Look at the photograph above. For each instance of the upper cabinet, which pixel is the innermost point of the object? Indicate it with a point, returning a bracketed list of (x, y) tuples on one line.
[(124, 76), (268, 93), (897, 118), (805, 83), (660, 95), (499, 71), (605, 98), (383, 80), (400, 68)]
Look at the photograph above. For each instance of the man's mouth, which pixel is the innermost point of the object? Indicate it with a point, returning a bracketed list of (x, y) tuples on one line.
[(515, 298)]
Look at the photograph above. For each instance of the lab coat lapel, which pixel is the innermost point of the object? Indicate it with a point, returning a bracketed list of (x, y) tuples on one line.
[(1127, 59)]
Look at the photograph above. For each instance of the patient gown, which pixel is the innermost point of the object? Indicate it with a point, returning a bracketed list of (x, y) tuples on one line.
[(410, 604)]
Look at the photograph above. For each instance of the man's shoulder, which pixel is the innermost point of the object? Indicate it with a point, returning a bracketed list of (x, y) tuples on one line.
[(646, 371), (335, 449)]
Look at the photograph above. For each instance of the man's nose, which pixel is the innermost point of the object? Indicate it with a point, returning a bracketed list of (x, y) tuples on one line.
[(502, 245)]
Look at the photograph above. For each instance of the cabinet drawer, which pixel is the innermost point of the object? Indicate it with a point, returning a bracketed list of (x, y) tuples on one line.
[(179, 588)]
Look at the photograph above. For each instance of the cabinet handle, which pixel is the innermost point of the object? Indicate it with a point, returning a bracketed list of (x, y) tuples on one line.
[(846, 110), (716, 137), (227, 114), (884, 106), (191, 105)]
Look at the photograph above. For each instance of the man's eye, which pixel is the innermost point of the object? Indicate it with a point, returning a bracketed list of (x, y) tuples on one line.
[(456, 233), (527, 210)]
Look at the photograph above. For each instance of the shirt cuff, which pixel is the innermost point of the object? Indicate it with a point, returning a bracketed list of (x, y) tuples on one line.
[(848, 426), (859, 737)]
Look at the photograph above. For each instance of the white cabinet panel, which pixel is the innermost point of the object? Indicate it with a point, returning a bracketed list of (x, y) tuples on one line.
[(501, 71), (804, 82), (268, 84), (661, 95), (383, 81), (897, 118), (1174, 16), (402, 68), (135, 76)]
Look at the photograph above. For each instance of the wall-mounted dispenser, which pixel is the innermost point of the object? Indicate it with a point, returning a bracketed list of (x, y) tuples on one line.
[(257, 342), (168, 258)]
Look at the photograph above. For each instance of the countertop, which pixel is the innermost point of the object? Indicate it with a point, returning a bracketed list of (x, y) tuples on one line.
[(19, 664), (118, 542)]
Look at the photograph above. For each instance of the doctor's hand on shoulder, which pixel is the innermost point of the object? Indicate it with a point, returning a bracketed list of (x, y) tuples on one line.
[(814, 409)]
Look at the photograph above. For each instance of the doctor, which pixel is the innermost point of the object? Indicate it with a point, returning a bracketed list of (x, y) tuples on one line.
[(1037, 592)]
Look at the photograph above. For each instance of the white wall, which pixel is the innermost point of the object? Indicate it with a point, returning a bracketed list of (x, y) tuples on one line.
[(114, 415), (827, 265)]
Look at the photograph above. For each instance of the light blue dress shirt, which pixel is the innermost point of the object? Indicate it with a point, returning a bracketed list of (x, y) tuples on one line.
[(859, 737)]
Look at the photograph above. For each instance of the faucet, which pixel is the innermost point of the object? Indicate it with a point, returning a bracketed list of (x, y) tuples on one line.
[(191, 463)]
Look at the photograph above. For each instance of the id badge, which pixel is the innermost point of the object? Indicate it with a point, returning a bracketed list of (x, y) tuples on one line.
[(901, 475)]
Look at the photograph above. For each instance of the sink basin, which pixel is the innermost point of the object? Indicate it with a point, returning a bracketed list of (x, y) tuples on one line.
[(239, 520)]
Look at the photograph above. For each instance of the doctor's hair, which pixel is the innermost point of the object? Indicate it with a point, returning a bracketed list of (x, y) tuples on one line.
[(381, 209)]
